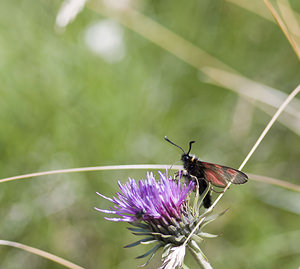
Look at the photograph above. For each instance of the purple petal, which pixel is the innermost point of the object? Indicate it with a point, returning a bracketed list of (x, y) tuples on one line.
[(149, 198)]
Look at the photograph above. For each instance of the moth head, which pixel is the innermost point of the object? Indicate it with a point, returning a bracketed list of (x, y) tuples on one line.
[(186, 155)]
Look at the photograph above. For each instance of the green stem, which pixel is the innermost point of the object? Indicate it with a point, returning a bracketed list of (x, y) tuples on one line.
[(198, 255)]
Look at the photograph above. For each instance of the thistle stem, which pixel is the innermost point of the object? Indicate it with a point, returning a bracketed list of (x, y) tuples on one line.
[(199, 256)]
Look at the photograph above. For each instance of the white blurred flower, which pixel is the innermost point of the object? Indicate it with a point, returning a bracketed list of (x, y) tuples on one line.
[(105, 38), (68, 11), (118, 4)]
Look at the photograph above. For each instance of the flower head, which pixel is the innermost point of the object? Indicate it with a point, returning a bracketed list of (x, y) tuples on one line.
[(161, 211), (149, 200)]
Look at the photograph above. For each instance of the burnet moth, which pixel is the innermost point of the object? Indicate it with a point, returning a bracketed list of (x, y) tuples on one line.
[(205, 173)]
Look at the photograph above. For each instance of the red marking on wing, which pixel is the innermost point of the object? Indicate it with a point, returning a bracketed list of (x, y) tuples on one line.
[(215, 178), (219, 175), (231, 171)]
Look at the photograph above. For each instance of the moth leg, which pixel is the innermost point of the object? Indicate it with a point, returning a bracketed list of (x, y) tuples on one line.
[(176, 174), (185, 173), (195, 179)]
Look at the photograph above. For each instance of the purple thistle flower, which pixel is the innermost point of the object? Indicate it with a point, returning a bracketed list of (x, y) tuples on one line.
[(162, 211), (149, 200)]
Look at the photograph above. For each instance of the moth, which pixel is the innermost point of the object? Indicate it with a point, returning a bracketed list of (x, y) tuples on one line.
[(204, 173)]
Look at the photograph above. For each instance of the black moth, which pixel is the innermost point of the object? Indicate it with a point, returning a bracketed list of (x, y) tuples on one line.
[(205, 173)]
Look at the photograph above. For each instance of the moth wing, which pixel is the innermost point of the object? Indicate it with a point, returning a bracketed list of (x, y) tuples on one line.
[(220, 175)]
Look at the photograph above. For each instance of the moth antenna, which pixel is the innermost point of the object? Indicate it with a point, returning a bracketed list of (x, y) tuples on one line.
[(191, 142), (168, 140), (173, 164)]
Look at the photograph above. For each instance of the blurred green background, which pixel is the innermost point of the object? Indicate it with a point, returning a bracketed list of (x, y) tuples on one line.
[(63, 105)]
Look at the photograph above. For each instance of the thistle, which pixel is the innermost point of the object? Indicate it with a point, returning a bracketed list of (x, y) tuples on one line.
[(166, 213)]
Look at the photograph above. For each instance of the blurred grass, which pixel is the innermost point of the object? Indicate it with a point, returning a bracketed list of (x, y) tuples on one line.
[(62, 106)]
